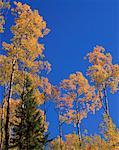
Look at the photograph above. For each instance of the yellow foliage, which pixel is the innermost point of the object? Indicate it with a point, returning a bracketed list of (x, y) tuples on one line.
[(3, 7), (111, 133), (76, 92), (26, 51), (102, 71)]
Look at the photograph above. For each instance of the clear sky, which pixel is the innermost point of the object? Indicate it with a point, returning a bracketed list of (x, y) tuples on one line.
[(76, 27)]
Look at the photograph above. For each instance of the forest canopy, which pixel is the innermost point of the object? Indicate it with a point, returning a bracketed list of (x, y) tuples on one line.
[(28, 94)]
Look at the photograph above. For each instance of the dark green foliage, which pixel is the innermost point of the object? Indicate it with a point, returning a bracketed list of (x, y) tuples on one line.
[(28, 132)]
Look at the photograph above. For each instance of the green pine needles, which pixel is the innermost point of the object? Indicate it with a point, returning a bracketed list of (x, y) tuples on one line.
[(28, 131)]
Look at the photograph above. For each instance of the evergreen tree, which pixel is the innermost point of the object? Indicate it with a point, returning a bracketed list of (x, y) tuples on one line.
[(28, 132)]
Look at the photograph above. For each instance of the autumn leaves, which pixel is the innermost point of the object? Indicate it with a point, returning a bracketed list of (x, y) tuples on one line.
[(103, 73), (74, 98), (78, 98), (24, 57)]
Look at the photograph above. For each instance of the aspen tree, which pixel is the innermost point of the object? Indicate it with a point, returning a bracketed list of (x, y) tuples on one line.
[(24, 56), (80, 97), (103, 73)]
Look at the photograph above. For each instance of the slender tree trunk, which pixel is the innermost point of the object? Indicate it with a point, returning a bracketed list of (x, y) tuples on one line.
[(28, 133), (60, 135), (60, 131), (2, 119), (101, 100), (44, 107), (8, 107), (21, 134), (78, 121), (106, 102), (44, 112), (78, 130)]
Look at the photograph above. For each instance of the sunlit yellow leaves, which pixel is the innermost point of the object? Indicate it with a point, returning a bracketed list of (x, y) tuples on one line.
[(3, 7), (76, 82), (20, 7), (5, 69), (55, 144), (29, 27), (55, 93), (97, 57), (115, 70), (71, 143), (13, 106), (36, 81), (27, 52), (24, 57), (8, 47), (77, 98), (94, 142), (28, 19), (98, 73), (46, 86), (2, 22), (111, 133), (102, 71)]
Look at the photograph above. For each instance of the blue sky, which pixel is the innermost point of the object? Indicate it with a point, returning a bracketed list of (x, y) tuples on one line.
[(76, 27)]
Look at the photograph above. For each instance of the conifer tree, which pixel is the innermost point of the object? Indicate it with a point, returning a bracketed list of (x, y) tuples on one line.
[(28, 131)]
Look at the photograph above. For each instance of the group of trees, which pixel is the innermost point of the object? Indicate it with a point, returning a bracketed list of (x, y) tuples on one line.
[(23, 123)]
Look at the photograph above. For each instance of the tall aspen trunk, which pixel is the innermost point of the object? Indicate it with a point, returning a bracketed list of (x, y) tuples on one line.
[(78, 122), (8, 107), (44, 114), (2, 126), (106, 102), (60, 135), (60, 131)]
